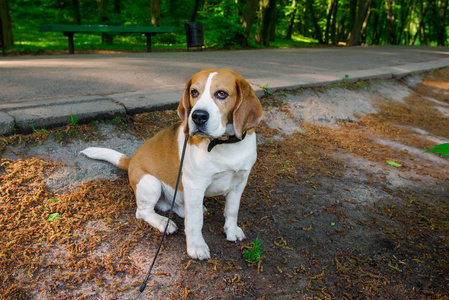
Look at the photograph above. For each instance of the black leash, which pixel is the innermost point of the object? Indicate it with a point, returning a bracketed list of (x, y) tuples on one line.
[(144, 283)]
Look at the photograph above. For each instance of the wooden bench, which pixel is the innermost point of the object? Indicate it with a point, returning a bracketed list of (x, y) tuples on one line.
[(70, 30)]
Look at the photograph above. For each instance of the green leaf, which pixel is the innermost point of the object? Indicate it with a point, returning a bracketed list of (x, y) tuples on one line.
[(54, 200), (443, 149), (53, 217), (332, 224), (253, 255), (394, 164)]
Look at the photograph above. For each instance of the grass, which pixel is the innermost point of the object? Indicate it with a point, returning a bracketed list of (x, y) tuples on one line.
[(29, 39), (73, 119), (253, 255), (43, 131)]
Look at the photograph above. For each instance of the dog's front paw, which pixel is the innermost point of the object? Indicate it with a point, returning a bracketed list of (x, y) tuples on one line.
[(198, 251), (172, 228), (234, 234)]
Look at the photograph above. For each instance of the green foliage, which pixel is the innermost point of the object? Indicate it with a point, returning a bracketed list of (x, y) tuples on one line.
[(117, 121), (73, 119), (253, 255), (53, 217), (345, 82), (42, 131), (222, 21), (443, 149), (405, 23), (264, 86)]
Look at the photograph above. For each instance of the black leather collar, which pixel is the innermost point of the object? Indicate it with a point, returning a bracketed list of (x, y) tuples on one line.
[(224, 140)]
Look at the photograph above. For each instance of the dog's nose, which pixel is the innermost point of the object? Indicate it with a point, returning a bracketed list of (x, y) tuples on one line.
[(200, 117)]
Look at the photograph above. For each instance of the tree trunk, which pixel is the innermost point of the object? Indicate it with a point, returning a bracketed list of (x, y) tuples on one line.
[(442, 31), (403, 21), (196, 7), (375, 34), (334, 23), (155, 9), (6, 27), (117, 7), (76, 12), (288, 36), (421, 25), (248, 20), (103, 13), (267, 16), (352, 15), (366, 21), (318, 33), (438, 17), (354, 37), (330, 9), (389, 4)]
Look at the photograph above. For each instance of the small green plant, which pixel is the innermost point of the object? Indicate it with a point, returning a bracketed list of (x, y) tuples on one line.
[(253, 255), (32, 126), (443, 149), (117, 121), (345, 82), (73, 119), (264, 86), (42, 131), (281, 93), (361, 84)]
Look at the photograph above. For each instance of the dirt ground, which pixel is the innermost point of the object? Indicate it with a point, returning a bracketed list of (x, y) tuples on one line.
[(335, 219)]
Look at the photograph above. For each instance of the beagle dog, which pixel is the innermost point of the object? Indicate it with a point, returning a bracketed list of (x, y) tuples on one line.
[(219, 112)]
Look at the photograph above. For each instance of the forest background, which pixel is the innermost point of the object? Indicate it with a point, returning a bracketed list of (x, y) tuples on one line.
[(229, 23)]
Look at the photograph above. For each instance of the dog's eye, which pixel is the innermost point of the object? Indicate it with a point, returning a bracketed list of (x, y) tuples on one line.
[(194, 93), (221, 95)]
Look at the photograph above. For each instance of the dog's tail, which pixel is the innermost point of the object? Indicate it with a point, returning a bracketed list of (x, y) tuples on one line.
[(116, 158)]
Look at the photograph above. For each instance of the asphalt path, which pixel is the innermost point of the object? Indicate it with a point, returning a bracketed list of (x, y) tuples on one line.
[(44, 89)]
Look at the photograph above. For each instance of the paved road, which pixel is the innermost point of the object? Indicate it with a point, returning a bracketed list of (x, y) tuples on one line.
[(44, 90)]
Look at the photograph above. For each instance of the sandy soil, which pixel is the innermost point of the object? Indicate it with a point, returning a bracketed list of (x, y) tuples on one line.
[(335, 219)]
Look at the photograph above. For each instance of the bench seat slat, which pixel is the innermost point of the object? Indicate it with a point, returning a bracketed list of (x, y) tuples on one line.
[(70, 30), (105, 28)]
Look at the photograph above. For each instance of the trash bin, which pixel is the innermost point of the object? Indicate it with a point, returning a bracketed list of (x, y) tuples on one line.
[(194, 31)]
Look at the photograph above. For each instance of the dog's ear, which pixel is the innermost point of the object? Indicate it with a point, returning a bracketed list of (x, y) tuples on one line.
[(248, 110), (184, 107)]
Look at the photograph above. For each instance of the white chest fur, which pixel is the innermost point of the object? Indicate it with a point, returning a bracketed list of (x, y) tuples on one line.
[(221, 170)]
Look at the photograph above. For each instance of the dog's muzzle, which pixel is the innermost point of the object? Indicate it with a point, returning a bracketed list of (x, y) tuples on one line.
[(200, 118)]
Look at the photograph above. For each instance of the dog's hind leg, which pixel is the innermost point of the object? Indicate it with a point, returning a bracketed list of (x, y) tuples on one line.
[(148, 192)]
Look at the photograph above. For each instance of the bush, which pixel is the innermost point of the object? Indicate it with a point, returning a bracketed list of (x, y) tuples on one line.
[(222, 24)]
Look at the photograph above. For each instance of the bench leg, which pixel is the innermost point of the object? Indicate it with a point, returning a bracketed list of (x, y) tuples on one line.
[(148, 35), (71, 47)]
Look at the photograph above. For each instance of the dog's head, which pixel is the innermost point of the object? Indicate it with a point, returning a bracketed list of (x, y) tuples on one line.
[(217, 103)]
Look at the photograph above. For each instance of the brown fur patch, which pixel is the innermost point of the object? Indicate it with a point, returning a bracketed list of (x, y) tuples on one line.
[(159, 157)]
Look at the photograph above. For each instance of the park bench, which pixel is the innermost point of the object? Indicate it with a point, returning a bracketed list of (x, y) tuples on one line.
[(70, 30)]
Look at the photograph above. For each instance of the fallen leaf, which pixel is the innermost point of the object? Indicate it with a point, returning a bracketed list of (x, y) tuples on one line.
[(394, 164)]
